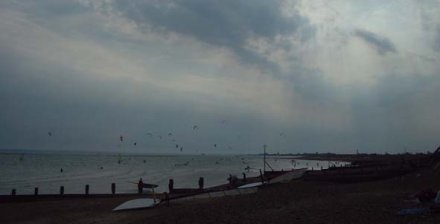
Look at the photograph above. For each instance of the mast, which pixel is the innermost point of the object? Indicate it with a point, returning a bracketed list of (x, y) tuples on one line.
[(264, 159)]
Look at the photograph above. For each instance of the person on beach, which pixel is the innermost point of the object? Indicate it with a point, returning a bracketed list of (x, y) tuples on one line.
[(140, 186)]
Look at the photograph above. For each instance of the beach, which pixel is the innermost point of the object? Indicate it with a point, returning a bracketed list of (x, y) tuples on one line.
[(296, 202)]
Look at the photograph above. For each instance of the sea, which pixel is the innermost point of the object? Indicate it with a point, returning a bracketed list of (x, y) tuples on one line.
[(23, 171)]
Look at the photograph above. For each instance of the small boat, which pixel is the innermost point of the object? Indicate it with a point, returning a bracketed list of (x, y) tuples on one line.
[(256, 184), (141, 203), (288, 176)]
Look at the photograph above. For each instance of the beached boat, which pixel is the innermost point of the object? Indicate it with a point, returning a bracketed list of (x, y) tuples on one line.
[(215, 194), (288, 176), (249, 188), (135, 204)]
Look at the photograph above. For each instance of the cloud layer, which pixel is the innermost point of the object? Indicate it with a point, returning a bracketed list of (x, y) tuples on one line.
[(243, 71)]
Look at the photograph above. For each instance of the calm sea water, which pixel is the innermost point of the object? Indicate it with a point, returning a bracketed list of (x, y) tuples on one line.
[(25, 171)]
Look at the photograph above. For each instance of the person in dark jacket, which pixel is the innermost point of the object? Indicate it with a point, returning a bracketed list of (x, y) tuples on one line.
[(140, 186)]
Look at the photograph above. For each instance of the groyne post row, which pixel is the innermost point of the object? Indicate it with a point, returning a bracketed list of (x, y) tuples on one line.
[(61, 192), (201, 184)]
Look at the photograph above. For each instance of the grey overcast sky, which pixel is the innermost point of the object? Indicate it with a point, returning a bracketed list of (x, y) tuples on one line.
[(299, 76)]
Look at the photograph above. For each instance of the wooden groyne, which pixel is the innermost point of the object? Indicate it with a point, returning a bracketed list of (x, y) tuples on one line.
[(173, 192), (15, 197), (50, 197)]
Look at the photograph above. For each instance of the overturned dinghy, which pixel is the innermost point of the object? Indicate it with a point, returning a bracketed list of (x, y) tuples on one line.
[(283, 178), (216, 194), (141, 203), (251, 185), (288, 176)]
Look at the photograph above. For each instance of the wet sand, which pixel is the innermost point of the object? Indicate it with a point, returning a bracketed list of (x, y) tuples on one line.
[(296, 202)]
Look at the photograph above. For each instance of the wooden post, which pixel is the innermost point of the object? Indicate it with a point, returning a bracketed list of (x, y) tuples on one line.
[(87, 189), (13, 192), (171, 186), (264, 159), (244, 177), (36, 191), (201, 183), (62, 190), (113, 188)]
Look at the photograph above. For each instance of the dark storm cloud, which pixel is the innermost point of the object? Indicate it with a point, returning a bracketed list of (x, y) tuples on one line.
[(43, 9), (228, 23), (382, 44)]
